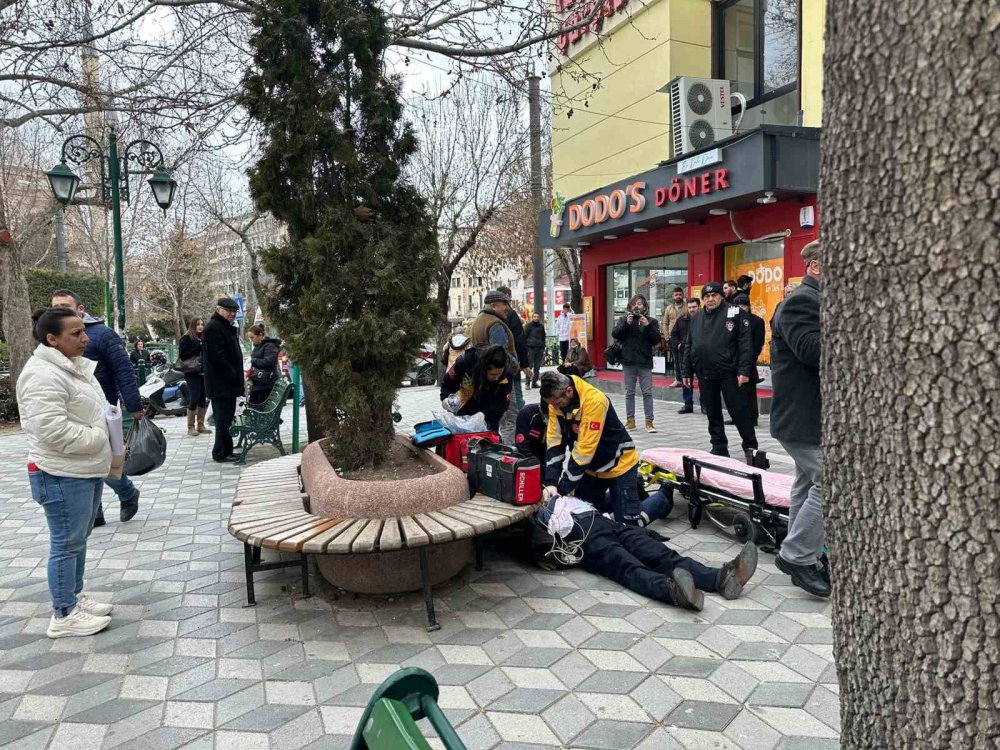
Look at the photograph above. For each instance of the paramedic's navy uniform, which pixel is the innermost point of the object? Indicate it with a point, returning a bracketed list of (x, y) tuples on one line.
[(529, 433), (602, 456), (720, 349)]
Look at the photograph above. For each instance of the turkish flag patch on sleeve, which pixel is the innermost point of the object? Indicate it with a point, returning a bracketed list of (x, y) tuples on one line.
[(594, 426)]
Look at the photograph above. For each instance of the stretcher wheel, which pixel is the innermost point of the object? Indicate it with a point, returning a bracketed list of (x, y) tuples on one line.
[(732, 522)]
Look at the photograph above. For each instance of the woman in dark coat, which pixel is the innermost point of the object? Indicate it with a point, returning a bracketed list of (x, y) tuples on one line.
[(264, 360), (577, 360), (189, 351), (481, 380), (139, 353)]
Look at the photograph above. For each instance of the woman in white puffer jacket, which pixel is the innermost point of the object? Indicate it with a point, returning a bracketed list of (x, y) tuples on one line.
[(69, 455)]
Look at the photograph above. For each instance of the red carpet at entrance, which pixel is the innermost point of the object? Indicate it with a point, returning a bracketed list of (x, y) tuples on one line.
[(661, 381)]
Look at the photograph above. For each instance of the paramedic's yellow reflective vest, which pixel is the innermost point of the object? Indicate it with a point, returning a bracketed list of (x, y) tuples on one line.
[(595, 437)]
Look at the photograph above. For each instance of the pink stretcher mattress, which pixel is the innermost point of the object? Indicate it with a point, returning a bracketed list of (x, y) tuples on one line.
[(777, 487)]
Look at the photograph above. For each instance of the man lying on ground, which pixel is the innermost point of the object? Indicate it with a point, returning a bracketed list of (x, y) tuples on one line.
[(632, 556)]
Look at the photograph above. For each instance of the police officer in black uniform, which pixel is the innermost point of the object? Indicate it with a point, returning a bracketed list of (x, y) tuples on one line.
[(720, 353)]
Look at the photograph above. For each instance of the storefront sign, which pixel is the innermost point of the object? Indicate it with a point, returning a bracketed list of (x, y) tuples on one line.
[(596, 10), (699, 161), (631, 199)]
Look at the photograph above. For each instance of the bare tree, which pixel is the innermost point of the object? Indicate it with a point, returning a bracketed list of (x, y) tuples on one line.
[(468, 167), (178, 63)]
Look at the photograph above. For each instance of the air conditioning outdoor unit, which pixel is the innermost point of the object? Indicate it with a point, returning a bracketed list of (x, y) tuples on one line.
[(700, 113)]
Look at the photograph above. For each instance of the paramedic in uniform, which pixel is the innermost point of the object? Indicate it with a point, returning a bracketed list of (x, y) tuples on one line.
[(720, 354), (602, 456)]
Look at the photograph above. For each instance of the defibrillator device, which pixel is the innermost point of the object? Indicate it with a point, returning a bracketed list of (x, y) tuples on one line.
[(500, 472)]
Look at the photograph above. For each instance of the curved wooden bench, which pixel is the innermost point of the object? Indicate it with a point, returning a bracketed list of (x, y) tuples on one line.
[(270, 511)]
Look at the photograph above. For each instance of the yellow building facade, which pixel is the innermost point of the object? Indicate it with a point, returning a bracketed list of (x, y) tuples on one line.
[(610, 118)]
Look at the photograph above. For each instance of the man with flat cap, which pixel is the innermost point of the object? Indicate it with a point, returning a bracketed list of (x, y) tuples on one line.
[(720, 353), (222, 364)]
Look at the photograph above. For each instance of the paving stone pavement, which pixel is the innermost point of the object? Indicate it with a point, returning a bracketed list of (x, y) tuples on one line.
[(525, 658)]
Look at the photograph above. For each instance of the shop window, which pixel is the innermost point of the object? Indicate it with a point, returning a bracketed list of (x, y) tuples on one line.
[(758, 48), (654, 278), (765, 262)]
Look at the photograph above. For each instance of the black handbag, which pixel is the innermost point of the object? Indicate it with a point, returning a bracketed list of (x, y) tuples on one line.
[(264, 377), (189, 366), (613, 354)]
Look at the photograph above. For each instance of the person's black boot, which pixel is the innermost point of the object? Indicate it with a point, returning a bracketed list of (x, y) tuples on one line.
[(734, 574), (130, 508), (684, 592), (99, 521), (809, 578), (688, 409)]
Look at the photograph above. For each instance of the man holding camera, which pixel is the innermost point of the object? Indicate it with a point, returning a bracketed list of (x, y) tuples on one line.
[(638, 334)]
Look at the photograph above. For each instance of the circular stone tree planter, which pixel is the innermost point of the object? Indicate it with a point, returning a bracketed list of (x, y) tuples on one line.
[(333, 496)]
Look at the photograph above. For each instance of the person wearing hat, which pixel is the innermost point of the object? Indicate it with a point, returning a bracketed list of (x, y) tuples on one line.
[(757, 336), (490, 329), (720, 353), (222, 365)]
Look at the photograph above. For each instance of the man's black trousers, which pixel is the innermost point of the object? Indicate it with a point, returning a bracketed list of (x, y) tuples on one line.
[(712, 393), (630, 557), (536, 356), (224, 411)]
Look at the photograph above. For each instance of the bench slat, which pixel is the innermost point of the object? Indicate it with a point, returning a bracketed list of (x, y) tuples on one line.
[(294, 542), (317, 545), (365, 541), (390, 538), (482, 510), (253, 524), (479, 524), (273, 497), (435, 530), (254, 514), (343, 542), (260, 536), (413, 535), (268, 526), (460, 529)]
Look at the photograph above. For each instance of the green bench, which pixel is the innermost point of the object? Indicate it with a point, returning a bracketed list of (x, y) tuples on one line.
[(390, 719), (260, 424)]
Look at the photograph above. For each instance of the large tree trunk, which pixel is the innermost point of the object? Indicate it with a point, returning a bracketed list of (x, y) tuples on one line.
[(911, 201), (443, 329)]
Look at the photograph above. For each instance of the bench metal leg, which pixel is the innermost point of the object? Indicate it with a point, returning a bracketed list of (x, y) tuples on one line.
[(425, 582), (479, 552), (249, 553), (252, 563), (305, 577)]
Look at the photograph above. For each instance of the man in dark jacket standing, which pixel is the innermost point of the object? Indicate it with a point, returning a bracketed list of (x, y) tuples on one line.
[(757, 337), (795, 423), (534, 339), (679, 343), (222, 363), (638, 333), (513, 322), (720, 355), (118, 381)]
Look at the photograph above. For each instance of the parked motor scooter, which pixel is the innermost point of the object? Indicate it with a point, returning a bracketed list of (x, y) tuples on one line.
[(165, 394)]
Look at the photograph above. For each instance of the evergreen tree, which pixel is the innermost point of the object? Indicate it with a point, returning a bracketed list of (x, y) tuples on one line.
[(350, 291)]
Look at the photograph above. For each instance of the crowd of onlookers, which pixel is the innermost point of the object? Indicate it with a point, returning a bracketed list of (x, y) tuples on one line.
[(78, 370)]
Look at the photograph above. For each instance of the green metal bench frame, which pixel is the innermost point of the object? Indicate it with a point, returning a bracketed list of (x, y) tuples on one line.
[(261, 424), (390, 719)]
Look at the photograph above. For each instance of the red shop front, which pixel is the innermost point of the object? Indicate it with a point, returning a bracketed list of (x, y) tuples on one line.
[(746, 206)]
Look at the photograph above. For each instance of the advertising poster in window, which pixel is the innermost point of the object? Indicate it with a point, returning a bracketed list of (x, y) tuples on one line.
[(578, 328), (767, 290)]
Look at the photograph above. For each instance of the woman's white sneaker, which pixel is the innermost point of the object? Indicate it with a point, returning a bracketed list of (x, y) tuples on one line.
[(76, 623), (93, 606)]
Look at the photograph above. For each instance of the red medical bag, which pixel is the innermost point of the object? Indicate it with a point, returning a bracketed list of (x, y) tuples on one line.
[(500, 472), (455, 450)]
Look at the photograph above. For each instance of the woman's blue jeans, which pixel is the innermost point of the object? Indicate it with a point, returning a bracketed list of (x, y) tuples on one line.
[(70, 507)]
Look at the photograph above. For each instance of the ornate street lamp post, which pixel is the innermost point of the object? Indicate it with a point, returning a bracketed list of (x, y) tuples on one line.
[(139, 157)]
